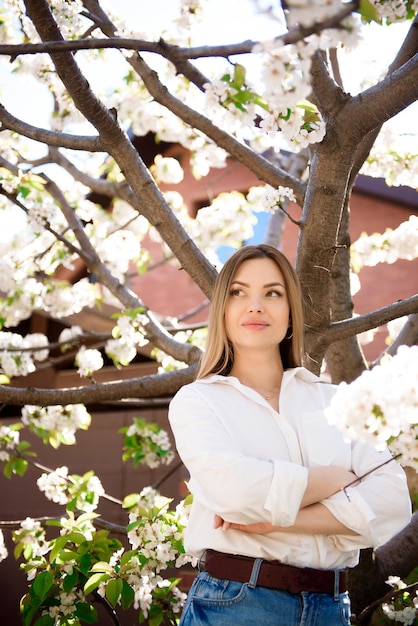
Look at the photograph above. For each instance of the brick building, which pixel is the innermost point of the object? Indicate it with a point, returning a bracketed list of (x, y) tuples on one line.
[(171, 292)]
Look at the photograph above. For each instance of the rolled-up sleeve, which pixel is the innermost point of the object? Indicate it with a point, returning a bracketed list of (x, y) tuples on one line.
[(241, 488), (378, 507)]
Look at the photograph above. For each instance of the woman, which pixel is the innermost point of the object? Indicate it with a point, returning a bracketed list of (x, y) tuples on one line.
[(274, 523)]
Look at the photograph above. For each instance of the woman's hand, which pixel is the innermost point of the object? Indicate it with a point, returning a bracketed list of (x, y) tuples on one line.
[(260, 528), (325, 481), (312, 520)]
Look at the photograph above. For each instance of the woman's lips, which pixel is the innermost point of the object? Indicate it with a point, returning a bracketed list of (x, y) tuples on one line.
[(255, 325)]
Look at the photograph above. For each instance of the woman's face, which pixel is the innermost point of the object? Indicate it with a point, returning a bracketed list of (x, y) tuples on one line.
[(257, 311)]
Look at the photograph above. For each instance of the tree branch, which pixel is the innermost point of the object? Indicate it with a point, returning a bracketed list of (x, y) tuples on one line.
[(155, 332), (172, 52), (376, 105), (256, 163), (260, 166), (49, 137), (152, 386), (408, 335), (362, 323), (100, 186), (153, 204)]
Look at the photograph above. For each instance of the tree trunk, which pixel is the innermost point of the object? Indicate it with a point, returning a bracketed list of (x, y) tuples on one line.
[(344, 358), (397, 557)]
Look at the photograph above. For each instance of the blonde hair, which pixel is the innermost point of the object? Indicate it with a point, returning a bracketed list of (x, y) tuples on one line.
[(219, 354)]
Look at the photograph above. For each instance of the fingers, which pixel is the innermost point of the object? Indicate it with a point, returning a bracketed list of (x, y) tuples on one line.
[(218, 521), (221, 523)]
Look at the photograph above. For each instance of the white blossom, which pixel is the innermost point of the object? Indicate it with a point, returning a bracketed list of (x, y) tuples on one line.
[(37, 340), (400, 243), (268, 198), (3, 550), (394, 327), (167, 170), (16, 358), (120, 351), (67, 336), (54, 485), (117, 249), (404, 616), (61, 422), (88, 361), (390, 10), (32, 535), (381, 405), (61, 299), (394, 158)]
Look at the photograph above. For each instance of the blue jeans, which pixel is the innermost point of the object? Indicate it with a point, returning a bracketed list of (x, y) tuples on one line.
[(216, 602)]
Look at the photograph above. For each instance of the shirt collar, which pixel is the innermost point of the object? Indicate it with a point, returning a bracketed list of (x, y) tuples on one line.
[(295, 372)]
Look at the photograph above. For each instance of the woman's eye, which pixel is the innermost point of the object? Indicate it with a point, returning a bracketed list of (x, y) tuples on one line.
[(235, 292), (274, 293)]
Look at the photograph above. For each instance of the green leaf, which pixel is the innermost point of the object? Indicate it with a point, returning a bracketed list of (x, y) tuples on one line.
[(102, 566), (76, 537), (188, 499), (368, 12), (59, 543), (85, 563), (67, 555), (126, 557), (20, 466), (259, 100), (86, 517), (155, 615), (24, 191), (8, 469), (45, 620), (128, 595), (23, 445), (42, 584), (27, 610), (239, 75), (94, 581), (70, 581), (35, 185), (86, 612), (130, 500), (288, 114), (307, 106), (113, 590)]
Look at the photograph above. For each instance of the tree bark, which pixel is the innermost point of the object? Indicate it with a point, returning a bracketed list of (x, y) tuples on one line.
[(398, 557)]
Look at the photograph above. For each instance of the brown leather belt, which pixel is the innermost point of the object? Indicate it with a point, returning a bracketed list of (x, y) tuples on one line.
[(273, 574)]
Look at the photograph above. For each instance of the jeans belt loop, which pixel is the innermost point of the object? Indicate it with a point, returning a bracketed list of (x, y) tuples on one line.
[(254, 573), (201, 562), (336, 584)]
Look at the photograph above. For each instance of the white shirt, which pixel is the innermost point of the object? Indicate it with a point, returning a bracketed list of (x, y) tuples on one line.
[(248, 463)]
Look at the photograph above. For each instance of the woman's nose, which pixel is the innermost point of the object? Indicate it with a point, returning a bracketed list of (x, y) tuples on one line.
[(255, 305)]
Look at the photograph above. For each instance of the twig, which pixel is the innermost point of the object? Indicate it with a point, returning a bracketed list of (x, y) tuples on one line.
[(359, 478), (366, 613)]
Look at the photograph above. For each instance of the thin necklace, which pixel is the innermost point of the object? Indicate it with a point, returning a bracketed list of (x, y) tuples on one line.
[(269, 397)]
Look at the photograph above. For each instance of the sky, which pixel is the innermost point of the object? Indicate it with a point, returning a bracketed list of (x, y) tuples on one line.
[(224, 24)]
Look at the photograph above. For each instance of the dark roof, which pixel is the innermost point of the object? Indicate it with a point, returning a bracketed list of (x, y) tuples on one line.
[(377, 187)]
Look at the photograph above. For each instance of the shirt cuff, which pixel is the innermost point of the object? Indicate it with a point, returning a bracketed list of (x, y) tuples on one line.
[(350, 508), (286, 492)]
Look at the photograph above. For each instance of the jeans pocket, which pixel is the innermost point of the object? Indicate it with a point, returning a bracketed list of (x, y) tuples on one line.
[(217, 592)]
